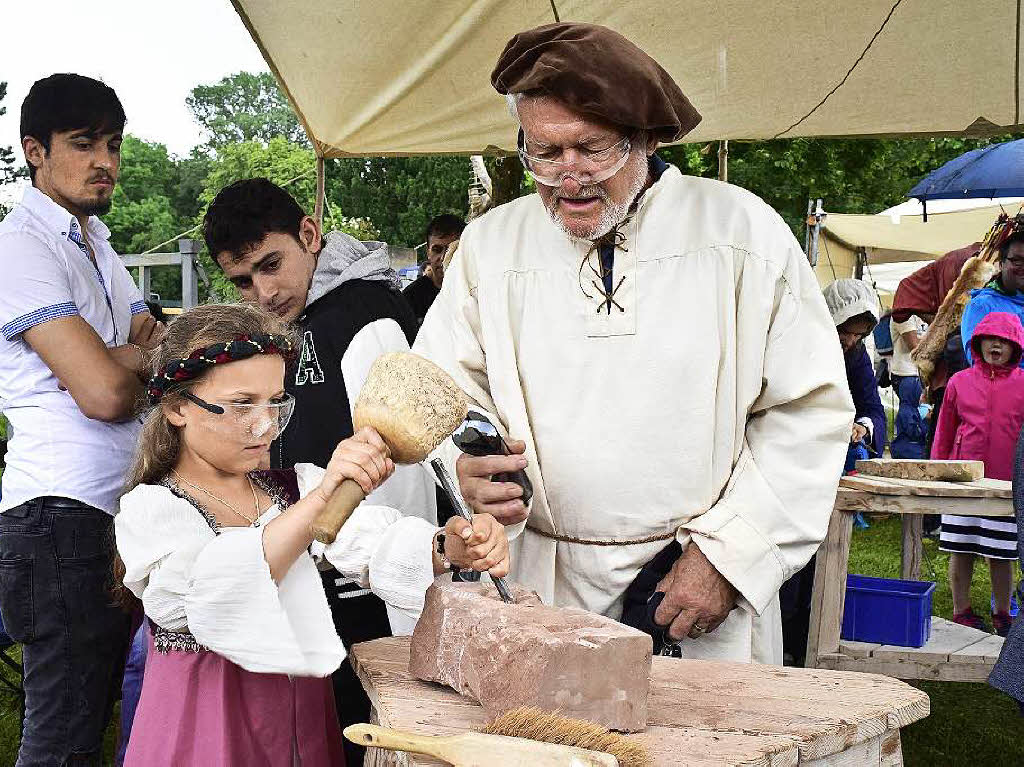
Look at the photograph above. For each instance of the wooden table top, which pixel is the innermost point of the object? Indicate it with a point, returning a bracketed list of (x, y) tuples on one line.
[(700, 712)]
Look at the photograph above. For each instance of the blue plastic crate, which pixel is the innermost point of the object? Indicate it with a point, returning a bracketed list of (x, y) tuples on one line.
[(887, 611)]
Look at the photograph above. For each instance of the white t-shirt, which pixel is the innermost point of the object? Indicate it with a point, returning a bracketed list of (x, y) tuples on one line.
[(53, 448), (902, 364)]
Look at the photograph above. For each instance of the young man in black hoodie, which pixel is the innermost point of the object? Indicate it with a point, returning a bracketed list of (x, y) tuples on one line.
[(343, 296)]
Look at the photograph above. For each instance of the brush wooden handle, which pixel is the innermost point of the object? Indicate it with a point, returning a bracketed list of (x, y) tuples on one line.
[(475, 749), (343, 501)]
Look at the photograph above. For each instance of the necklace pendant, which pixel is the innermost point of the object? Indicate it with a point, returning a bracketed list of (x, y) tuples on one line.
[(256, 523)]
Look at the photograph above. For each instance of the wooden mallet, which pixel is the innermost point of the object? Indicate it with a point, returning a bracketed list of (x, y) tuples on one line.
[(414, 406)]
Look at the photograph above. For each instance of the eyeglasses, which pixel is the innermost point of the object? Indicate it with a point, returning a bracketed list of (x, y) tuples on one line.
[(590, 166), (250, 420)]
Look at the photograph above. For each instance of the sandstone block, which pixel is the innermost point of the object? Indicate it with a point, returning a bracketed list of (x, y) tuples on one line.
[(527, 654)]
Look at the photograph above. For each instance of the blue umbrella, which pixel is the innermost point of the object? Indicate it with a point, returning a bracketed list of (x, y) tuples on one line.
[(992, 171)]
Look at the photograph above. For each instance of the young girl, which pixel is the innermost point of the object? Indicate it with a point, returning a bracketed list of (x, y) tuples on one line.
[(981, 415), (222, 557)]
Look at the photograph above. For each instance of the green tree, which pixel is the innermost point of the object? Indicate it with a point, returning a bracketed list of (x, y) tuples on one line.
[(399, 195), (244, 107), (8, 171), (144, 211), (850, 175)]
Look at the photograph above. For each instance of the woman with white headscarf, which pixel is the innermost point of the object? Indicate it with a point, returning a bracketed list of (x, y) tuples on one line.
[(855, 311)]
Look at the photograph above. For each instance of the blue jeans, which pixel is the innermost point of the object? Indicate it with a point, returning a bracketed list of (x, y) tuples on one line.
[(56, 561), (131, 688)]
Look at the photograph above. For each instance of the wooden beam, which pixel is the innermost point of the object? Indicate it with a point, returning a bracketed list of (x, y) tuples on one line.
[(318, 206), (856, 500), (912, 551), (983, 488), (907, 669), (829, 594)]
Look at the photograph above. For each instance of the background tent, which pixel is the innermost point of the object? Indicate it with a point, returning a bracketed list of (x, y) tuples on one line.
[(406, 77), (896, 241)]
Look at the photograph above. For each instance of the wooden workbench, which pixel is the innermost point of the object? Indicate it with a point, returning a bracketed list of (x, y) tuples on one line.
[(953, 653), (700, 712)]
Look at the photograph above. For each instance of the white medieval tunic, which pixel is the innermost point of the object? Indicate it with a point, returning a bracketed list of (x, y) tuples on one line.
[(710, 402)]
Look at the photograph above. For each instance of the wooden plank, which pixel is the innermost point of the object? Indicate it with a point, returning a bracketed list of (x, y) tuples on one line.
[(674, 746), (702, 712), (907, 669), (848, 499), (995, 484), (946, 638), (828, 595), (984, 651), (991, 488), (912, 550), (891, 750), (908, 468), (825, 712), (857, 649), (866, 754)]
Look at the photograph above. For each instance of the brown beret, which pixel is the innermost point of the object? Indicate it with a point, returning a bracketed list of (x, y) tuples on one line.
[(597, 72)]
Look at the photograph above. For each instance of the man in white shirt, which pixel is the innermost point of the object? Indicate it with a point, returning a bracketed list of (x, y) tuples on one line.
[(659, 349), (73, 334)]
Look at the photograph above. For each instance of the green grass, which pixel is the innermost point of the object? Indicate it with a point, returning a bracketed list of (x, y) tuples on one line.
[(969, 723)]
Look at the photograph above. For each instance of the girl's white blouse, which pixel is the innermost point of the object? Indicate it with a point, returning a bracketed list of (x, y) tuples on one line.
[(218, 586)]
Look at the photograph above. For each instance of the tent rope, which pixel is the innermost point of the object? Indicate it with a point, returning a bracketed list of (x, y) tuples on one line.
[(848, 73), (1016, 72), (828, 255)]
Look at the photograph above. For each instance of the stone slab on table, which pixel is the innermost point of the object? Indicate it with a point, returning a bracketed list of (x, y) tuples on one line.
[(699, 712), (528, 654), (911, 468)]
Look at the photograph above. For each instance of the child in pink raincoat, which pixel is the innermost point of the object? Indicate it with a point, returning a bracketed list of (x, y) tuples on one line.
[(980, 419)]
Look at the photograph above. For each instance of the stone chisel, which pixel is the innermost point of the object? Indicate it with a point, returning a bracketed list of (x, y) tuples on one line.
[(466, 514)]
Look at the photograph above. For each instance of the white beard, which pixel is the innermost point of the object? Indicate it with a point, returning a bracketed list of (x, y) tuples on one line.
[(614, 213)]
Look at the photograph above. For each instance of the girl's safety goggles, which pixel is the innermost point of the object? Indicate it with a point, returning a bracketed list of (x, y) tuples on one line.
[(246, 419)]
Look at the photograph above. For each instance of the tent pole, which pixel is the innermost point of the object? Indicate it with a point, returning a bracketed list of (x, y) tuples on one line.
[(862, 259), (723, 160), (318, 209), (815, 213)]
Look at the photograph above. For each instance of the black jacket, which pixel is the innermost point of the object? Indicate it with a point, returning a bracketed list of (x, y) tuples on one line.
[(323, 411)]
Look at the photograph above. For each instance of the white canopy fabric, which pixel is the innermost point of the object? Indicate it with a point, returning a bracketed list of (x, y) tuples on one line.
[(910, 238), (401, 77), (889, 238)]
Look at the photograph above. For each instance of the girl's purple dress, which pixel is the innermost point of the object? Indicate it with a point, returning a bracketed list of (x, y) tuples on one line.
[(198, 708)]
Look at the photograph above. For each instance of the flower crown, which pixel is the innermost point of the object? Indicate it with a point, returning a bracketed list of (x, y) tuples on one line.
[(201, 360)]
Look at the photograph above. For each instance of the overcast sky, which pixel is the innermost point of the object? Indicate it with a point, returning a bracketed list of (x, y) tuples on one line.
[(151, 52)]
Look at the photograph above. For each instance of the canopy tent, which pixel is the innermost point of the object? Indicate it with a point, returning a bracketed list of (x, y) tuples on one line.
[(395, 77), (893, 238)]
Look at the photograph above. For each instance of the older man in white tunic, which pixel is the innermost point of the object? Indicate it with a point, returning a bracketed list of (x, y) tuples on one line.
[(659, 345)]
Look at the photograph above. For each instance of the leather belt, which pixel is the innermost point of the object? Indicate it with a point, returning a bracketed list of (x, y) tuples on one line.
[(590, 542), (59, 502)]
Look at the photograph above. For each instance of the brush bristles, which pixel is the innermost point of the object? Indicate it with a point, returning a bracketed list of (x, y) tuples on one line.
[(548, 727)]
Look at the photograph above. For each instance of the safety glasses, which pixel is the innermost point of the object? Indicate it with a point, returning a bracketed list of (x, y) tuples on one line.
[(588, 166), (249, 420)]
